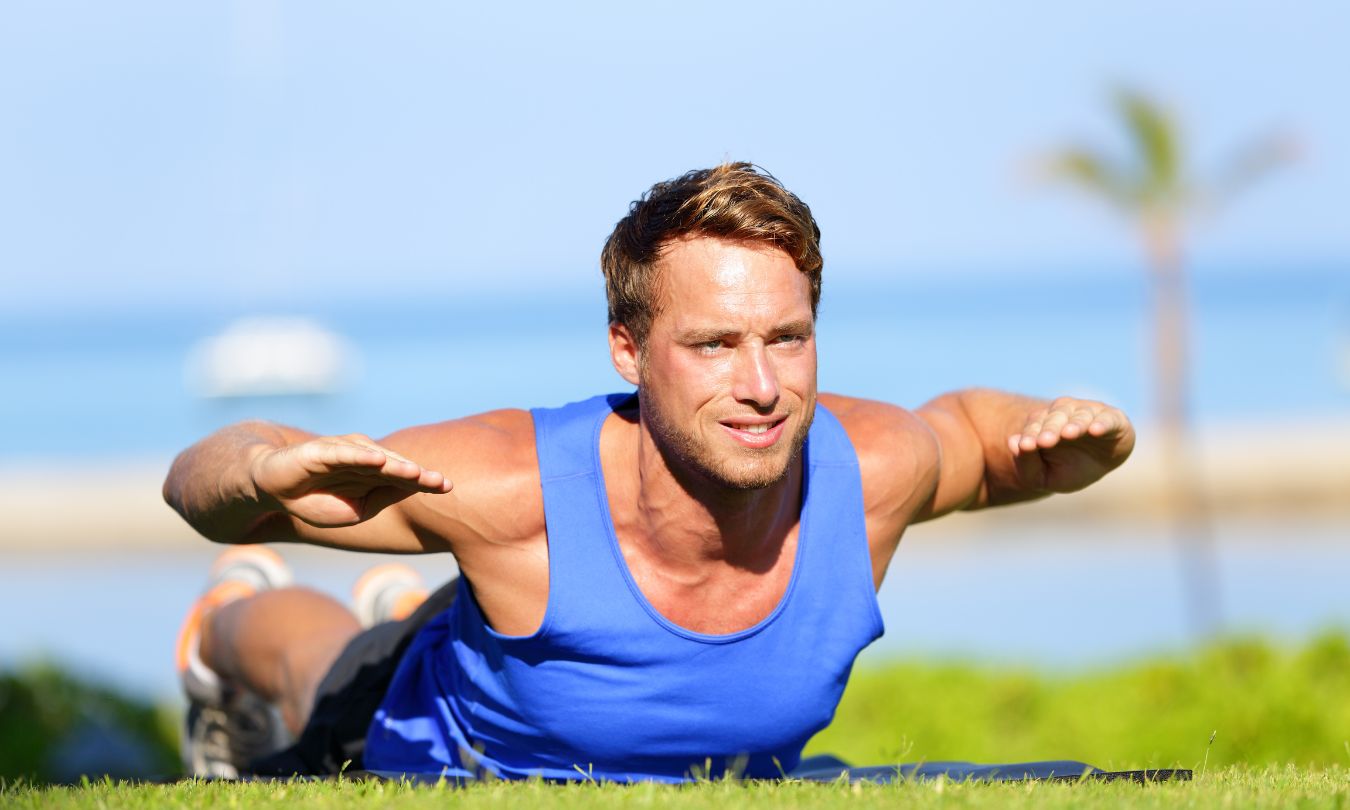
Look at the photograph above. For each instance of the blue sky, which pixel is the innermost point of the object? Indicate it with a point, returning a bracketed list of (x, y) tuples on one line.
[(250, 152)]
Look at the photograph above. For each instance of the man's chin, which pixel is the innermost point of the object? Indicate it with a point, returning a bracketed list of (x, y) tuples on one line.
[(718, 459), (758, 474), (752, 469)]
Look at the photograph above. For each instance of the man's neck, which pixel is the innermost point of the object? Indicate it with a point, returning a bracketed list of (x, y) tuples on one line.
[(687, 521)]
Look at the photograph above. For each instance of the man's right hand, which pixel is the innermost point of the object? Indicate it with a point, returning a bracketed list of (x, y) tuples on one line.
[(338, 480)]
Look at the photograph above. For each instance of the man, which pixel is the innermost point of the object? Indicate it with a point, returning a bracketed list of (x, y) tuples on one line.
[(655, 584)]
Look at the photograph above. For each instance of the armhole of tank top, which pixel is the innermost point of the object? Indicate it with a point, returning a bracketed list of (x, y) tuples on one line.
[(866, 577), (552, 471), (542, 429)]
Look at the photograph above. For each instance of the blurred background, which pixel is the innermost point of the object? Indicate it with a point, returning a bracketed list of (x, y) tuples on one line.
[(354, 219)]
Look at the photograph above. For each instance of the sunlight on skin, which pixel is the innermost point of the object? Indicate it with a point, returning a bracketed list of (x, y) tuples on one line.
[(1067, 419), (736, 330)]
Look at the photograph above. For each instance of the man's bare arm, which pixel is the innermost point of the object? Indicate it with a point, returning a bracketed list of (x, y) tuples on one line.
[(258, 481), (999, 448), (898, 463)]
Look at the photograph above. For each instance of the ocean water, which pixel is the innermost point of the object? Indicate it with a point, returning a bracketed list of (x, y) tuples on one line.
[(1269, 344), (1053, 597)]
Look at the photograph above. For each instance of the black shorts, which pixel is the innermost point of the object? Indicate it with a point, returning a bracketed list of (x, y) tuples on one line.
[(334, 738)]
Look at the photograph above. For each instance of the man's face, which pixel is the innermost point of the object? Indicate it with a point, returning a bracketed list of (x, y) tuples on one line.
[(728, 372)]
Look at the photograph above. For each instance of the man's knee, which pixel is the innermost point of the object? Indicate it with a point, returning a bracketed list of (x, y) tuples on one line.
[(275, 635)]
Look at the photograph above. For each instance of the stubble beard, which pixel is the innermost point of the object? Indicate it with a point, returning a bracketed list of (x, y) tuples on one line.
[(745, 470)]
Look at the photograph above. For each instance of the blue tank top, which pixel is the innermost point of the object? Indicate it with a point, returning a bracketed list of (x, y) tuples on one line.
[(607, 688)]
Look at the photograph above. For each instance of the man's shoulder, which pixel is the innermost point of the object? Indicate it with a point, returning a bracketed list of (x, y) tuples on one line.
[(898, 454), (489, 435), (872, 425), (497, 438), (490, 459)]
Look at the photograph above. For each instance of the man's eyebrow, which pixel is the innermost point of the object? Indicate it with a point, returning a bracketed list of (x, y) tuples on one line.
[(708, 334), (705, 335), (795, 328)]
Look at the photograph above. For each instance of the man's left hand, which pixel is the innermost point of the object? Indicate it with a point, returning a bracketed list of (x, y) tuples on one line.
[(1070, 444)]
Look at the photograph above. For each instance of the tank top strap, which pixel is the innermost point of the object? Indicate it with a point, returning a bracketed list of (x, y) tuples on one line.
[(830, 445), (562, 436), (575, 509), (837, 559)]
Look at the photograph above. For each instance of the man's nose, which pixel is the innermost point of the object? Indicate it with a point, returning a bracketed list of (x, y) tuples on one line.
[(756, 380)]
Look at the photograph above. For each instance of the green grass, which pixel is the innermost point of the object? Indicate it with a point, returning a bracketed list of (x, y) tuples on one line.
[(1265, 706), (1232, 787), (1282, 718)]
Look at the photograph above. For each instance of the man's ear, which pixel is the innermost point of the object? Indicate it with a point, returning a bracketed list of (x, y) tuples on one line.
[(624, 352)]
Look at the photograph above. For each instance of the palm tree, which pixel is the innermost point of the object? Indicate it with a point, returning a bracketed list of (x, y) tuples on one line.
[(1159, 200)]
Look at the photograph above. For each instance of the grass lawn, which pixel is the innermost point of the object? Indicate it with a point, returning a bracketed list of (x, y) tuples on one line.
[(1280, 720), (1228, 787), (1264, 705)]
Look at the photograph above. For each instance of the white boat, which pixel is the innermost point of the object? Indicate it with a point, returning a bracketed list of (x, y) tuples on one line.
[(271, 356)]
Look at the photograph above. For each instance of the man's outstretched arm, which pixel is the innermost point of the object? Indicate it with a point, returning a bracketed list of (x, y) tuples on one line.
[(258, 481), (998, 448)]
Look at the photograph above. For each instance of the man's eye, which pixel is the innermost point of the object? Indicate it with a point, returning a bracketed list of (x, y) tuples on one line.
[(710, 345), (791, 338)]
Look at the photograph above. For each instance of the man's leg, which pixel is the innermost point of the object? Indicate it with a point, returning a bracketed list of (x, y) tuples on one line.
[(259, 657), (278, 644), (250, 654)]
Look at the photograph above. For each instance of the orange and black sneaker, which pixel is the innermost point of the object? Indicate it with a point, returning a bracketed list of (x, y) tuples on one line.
[(227, 727), (387, 593)]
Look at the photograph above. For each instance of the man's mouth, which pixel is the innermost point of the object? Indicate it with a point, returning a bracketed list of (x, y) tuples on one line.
[(755, 432)]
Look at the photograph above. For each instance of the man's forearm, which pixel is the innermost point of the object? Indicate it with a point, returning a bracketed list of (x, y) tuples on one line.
[(999, 448), (993, 417), (211, 484), (973, 426)]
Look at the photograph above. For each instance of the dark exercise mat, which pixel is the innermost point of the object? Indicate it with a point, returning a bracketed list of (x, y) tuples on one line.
[(828, 768)]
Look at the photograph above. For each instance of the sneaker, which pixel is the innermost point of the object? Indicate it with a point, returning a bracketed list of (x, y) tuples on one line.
[(227, 727), (387, 593)]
